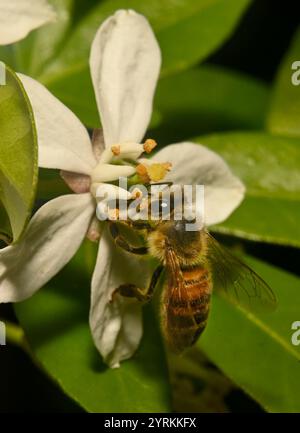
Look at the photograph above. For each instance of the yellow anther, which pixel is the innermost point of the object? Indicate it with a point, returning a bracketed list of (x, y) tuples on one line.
[(154, 172), (149, 145), (142, 172), (116, 149)]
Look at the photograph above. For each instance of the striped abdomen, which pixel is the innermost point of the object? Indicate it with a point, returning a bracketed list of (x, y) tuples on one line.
[(186, 306)]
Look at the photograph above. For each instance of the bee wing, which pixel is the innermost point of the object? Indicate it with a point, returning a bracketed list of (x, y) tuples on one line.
[(241, 284), (175, 277)]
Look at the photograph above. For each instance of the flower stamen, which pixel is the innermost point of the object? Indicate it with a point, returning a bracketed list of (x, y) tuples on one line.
[(153, 172), (116, 149), (149, 145)]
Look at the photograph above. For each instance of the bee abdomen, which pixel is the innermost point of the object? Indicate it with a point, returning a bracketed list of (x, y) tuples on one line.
[(187, 310)]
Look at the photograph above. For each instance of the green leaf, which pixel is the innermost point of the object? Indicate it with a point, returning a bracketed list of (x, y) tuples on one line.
[(51, 185), (177, 26), (5, 228), (256, 351), (205, 99), (18, 153), (56, 324), (34, 53), (270, 168), (284, 116), (198, 34), (57, 54), (81, 101)]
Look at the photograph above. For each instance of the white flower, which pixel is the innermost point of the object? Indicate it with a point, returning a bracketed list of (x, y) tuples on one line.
[(125, 63), (19, 17)]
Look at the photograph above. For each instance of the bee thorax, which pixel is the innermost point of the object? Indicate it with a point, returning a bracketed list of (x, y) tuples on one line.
[(189, 246)]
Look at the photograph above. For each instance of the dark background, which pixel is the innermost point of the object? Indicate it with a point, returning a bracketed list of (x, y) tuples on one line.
[(256, 47)]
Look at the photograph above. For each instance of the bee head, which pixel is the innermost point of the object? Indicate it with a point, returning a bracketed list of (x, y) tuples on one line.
[(179, 236), (188, 244)]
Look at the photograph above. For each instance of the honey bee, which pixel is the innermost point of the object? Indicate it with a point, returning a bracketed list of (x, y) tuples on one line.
[(194, 263)]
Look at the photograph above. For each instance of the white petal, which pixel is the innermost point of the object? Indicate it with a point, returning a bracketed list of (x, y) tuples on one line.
[(98, 143), (125, 63), (194, 164), (51, 239), (116, 326), (63, 141), (19, 17)]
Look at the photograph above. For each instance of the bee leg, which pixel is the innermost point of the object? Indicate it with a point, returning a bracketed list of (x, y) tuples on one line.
[(122, 242), (142, 295)]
